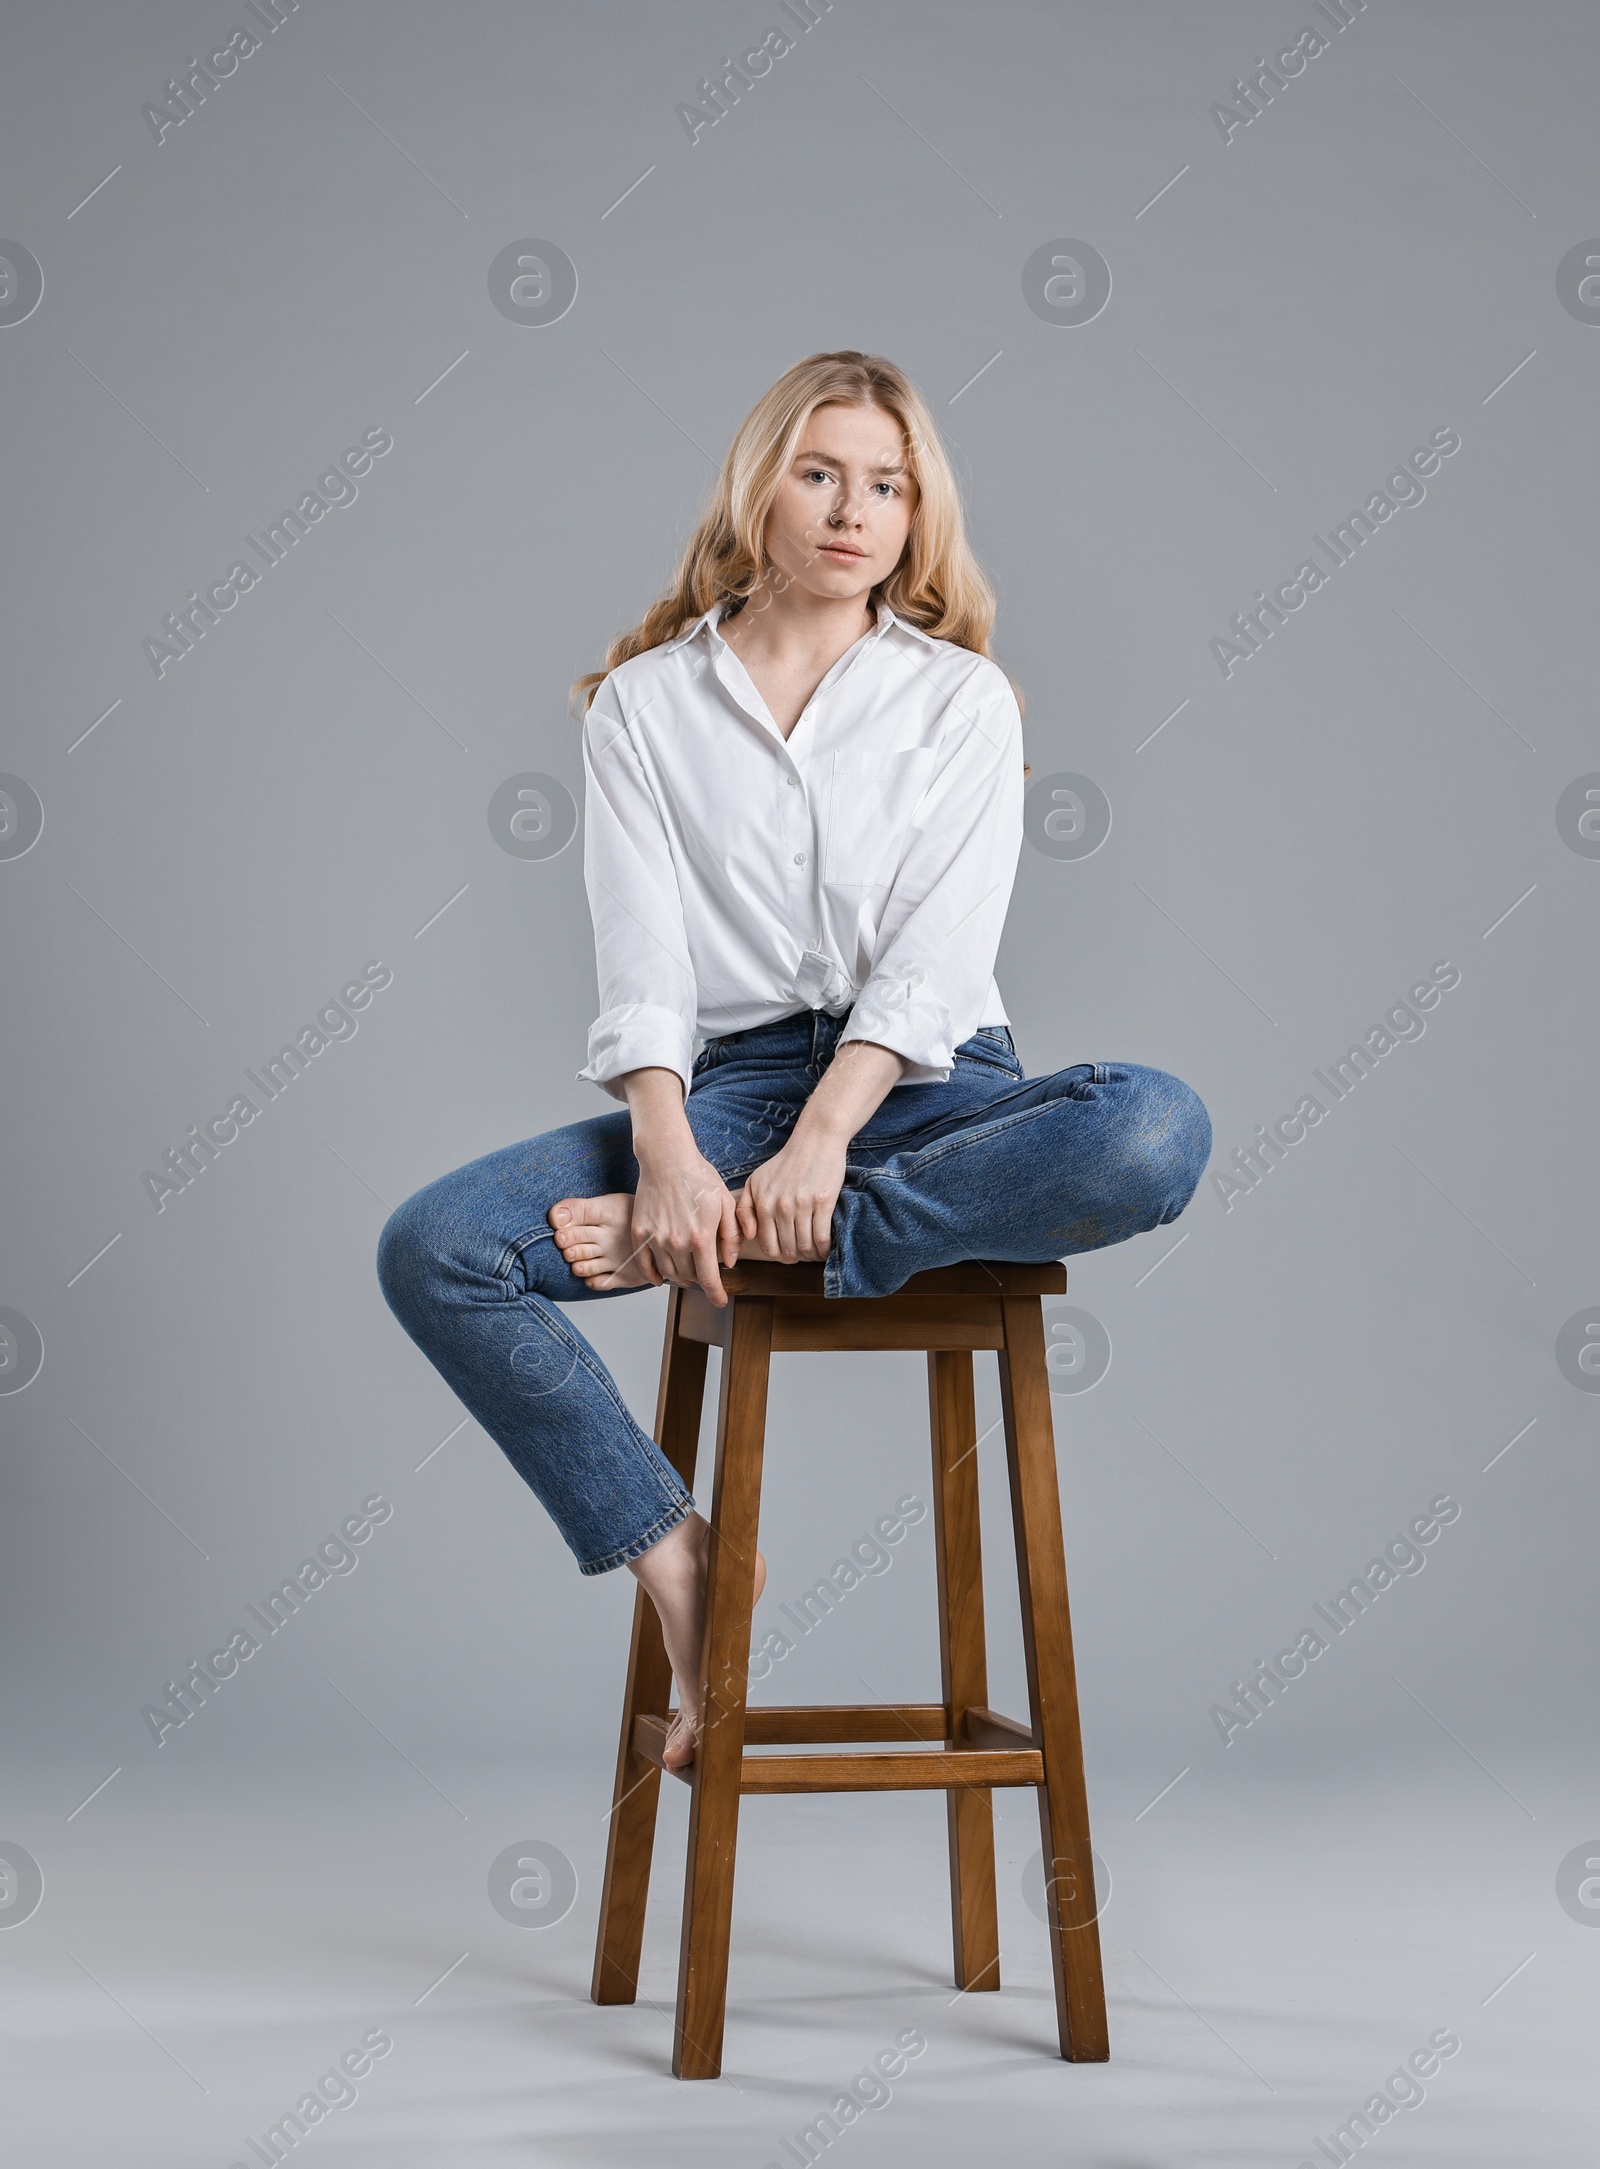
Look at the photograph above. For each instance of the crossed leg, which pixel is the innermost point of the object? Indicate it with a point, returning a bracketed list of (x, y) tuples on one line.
[(595, 1236)]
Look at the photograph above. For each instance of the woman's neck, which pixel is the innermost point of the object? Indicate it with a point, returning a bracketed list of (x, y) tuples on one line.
[(789, 647)]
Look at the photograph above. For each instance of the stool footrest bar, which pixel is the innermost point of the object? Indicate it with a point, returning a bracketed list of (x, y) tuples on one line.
[(940, 1769), (987, 1728), (807, 1724), (935, 1769)]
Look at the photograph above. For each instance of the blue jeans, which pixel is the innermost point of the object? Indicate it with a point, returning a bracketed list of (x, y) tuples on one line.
[(987, 1165)]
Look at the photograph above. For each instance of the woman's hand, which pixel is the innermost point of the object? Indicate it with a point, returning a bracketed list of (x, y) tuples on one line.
[(787, 1204), (683, 1217), (682, 1212)]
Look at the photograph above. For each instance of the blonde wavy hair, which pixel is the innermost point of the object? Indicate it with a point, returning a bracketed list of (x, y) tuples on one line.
[(938, 584)]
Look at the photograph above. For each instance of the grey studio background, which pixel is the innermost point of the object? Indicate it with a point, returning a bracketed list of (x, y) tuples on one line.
[(1311, 272)]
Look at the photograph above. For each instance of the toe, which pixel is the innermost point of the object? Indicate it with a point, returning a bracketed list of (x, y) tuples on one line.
[(678, 1752)]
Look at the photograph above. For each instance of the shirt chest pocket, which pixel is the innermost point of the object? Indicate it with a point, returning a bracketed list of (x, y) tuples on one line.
[(871, 798)]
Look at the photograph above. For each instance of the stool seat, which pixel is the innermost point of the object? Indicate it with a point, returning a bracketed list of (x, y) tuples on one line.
[(957, 1745), (977, 1276)]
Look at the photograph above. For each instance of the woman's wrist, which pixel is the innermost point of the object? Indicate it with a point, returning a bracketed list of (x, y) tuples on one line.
[(656, 1108), (860, 1077)]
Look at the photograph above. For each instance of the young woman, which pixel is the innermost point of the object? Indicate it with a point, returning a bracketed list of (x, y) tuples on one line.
[(803, 813)]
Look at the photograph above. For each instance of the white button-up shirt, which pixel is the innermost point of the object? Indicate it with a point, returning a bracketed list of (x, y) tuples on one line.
[(863, 863)]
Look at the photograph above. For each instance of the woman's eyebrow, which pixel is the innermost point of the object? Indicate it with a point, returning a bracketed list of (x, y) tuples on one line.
[(826, 459)]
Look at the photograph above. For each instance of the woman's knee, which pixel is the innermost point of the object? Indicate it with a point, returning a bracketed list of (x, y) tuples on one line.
[(1168, 1140), (412, 1247)]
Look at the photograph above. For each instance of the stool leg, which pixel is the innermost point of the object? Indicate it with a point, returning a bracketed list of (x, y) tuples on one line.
[(1052, 1684), (631, 1839), (724, 1674), (963, 1660)]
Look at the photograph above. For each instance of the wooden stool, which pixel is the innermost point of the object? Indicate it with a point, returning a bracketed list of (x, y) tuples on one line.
[(971, 1749)]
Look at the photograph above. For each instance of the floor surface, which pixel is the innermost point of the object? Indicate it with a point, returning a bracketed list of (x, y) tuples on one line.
[(208, 1947)]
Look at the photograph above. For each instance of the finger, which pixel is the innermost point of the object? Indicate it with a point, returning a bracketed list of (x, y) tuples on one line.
[(705, 1267), (767, 1227), (805, 1229), (787, 1233), (824, 1230), (745, 1213), (728, 1232)]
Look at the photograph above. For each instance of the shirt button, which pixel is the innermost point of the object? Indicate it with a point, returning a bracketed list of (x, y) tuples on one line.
[(799, 858), (793, 782)]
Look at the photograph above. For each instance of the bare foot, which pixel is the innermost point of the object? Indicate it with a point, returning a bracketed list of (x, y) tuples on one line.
[(673, 1573), (595, 1236)]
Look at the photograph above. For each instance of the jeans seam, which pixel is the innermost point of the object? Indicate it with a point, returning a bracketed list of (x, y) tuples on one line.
[(946, 1145), (678, 1512), (513, 1251), (559, 1330)]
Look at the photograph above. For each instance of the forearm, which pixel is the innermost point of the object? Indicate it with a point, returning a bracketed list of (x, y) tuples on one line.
[(683, 1217), (856, 1082), (656, 1108)]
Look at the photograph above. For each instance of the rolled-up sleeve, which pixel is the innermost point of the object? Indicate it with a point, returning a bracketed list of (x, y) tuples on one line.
[(942, 922), (648, 997)]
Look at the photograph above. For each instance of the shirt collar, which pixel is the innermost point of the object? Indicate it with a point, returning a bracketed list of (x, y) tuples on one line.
[(887, 622)]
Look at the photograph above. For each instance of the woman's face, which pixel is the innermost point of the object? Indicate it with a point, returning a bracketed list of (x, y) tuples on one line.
[(839, 522)]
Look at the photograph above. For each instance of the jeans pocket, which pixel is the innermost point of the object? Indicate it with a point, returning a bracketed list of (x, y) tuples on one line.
[(993, 1049)]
